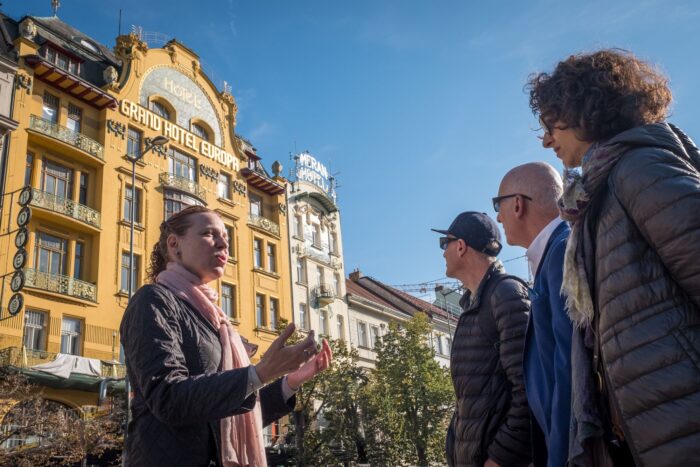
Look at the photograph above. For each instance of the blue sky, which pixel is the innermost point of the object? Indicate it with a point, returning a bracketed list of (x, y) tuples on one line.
[(419, 105)]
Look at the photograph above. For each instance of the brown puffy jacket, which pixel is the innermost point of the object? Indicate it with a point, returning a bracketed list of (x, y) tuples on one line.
[(647, 294), (491, 417)]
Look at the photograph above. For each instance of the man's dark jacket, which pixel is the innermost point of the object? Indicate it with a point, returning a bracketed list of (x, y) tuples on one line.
[(547, 358), (173, 356), (491, 418), (647, 294)]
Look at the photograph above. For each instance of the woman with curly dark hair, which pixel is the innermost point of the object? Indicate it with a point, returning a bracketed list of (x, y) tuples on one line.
[(632, 268)]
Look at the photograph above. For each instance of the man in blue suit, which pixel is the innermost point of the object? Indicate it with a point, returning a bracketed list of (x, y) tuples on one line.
[(527, 207)]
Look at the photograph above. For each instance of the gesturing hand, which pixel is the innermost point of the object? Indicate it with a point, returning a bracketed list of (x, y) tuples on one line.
[(316, 365), (280, 359)]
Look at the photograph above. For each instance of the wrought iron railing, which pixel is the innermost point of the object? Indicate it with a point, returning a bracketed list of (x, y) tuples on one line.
[(183, 184), (21, 357), (61, 133), (264, 223), (324, 293), (65, 206), (61, 284)]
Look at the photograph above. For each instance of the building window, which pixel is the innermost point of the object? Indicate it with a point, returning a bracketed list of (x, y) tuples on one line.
[(182, 165), (320, 276), (28, 169), (274, 313), (227, 303), (78, 260), (57, 179), (223, 188), (35, 330), (303, 316), (176, 202), (362, 334), (316, 236), (373, 336), (125, 272), (271, 258), (333, 243), (50, 254), (75, 116), (323, 322), (133, 143), (70, 336), (49, 110), (301, 271), (62, 60), (341, 328), (130, 202), (231, 239), (259, 311), (200, 131), (83, 189), (448, 346), (336, 284), (257, 253), (256, 205), (160, 110), (299, 223)]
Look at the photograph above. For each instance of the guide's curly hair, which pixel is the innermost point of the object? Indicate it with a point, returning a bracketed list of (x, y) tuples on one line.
[(600, 94), (176, 224)]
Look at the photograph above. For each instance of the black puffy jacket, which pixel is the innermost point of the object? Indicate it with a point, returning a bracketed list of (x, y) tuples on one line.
[(173, 356), (491, 417), (647, 294)]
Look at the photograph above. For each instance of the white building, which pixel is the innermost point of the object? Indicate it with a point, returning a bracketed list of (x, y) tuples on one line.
[(318, 277)]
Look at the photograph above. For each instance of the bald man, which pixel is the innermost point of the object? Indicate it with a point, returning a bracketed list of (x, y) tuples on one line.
[(527, 207)]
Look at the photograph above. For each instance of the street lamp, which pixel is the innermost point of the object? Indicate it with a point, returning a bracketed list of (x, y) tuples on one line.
[(158, 141), (155, 142)]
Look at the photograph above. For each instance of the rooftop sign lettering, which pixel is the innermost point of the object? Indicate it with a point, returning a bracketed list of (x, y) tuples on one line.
[(308, 169)]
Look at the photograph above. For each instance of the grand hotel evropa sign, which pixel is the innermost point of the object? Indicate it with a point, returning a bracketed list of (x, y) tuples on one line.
[(176, 133)]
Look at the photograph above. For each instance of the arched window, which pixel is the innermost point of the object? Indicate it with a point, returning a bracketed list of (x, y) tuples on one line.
[(160, 109), (200, 131)]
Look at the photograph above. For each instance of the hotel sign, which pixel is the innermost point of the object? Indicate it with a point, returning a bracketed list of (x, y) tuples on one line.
[(308, 169), (176, 133)]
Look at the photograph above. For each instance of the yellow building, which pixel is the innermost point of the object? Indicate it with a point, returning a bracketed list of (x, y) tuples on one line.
[(87, 109)]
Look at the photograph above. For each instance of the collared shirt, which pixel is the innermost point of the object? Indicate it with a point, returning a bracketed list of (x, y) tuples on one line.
[(536, 249), (254, 384)]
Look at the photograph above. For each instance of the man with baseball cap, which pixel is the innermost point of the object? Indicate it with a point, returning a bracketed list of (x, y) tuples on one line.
[(490, 426)]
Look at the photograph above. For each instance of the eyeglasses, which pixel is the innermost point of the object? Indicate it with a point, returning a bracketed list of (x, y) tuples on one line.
[(547, 129), (497, 200), (250, 349), (444, 241)]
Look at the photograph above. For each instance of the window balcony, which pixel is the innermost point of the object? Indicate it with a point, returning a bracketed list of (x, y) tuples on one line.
[(23, 358), (60, 284), (264, 223), (183, 184), (70, 137), (324, 294), (65, 206)]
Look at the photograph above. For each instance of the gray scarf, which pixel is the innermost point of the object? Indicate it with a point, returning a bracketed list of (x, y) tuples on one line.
[(574, 205)]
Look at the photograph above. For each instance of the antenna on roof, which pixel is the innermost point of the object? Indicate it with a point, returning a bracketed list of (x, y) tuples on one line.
[(119, 28), (55, 4)]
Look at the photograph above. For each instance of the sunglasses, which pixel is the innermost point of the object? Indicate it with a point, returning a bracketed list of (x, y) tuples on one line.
[(444, 241), (251, 349), (547, 129), (497, 200)]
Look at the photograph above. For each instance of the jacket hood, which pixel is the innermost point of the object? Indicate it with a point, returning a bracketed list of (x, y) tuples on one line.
[(659, 135)]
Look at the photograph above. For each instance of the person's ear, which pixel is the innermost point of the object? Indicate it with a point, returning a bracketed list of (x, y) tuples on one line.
[(173, 245), (519, 207)]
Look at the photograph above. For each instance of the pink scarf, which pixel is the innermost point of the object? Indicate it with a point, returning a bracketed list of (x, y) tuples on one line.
[(241, 435)]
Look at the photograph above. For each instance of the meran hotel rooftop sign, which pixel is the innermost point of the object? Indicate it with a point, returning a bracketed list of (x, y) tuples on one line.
[(176, 133)]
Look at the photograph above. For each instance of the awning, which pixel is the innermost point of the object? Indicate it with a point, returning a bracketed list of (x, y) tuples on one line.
[(69, 83), (261, 182)]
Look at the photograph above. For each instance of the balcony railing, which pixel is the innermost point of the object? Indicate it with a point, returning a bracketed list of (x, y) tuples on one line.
[(183, 184), (61, 133), (264, 223), (324, 293), (61, 284), (65, 206), (21, 357)]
